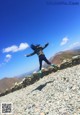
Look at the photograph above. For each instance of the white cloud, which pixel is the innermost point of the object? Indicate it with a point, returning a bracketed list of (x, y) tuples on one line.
[(23, 46), (7, 58), (10, 49), (15, 48), (74, 45), (64, 41)]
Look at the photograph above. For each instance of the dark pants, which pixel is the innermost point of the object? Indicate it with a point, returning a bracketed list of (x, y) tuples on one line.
[(43, 58)]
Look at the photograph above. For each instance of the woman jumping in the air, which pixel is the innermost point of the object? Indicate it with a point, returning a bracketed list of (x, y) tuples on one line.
[(39, 51)]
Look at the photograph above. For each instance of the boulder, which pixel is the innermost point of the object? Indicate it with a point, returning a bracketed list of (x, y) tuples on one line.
[(36, 75), (51, 69), (44, 72), (66, 64), (26, 81), (76, 60)]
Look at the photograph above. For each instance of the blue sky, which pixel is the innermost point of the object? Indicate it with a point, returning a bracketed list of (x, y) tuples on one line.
[(23, 22)]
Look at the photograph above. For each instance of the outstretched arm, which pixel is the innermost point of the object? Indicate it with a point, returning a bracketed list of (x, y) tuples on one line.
[(30, 54), (45, 45)]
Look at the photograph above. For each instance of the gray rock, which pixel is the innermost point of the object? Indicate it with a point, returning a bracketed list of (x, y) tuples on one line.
[(59, 95)]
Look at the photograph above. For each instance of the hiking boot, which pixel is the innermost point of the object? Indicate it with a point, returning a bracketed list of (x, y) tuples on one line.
[(39, 71), (55, 66)]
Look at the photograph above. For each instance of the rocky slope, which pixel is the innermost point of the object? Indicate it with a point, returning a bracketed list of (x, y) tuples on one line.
[(55, 94), (7, 83)]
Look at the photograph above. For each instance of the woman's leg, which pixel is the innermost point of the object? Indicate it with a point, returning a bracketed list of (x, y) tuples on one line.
[(53, 65), (45, 59), (40, 63)]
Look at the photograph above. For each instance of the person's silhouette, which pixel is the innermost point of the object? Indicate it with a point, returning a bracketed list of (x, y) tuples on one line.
[(39, 51)]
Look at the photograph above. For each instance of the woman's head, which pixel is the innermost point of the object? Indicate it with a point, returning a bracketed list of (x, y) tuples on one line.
[(33, 47)]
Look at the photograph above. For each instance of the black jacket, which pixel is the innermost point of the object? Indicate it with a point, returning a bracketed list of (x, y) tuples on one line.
[(38, 50)]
